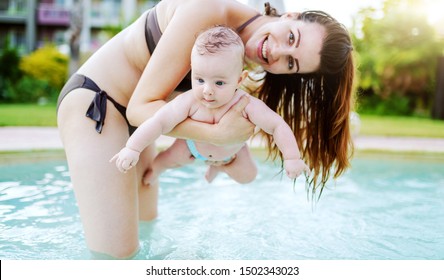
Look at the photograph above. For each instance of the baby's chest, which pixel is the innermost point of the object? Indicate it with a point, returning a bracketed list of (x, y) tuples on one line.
[(207, 116)]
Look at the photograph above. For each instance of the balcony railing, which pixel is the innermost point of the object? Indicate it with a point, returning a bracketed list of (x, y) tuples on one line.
[(13, 8), (53, 15)]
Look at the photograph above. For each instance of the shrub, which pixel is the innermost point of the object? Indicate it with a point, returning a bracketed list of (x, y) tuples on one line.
[(9, 62), (9, 70), (32, 90), (392, 105), (46, 64)]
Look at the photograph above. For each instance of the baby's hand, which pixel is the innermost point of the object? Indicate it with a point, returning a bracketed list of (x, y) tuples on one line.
[(295, 167), (126, 159)]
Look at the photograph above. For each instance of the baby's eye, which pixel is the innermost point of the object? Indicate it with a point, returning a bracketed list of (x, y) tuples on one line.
[(290, 63), (200, 81), (291, 38), (220, 83)]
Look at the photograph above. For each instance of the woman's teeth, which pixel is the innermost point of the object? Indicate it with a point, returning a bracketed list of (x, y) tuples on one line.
[(264, 50)]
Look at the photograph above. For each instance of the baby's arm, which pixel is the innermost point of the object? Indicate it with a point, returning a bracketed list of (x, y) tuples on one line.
[(163, 121), (270, 122)]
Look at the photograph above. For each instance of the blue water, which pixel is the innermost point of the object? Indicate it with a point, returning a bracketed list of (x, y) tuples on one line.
[(385, 207)]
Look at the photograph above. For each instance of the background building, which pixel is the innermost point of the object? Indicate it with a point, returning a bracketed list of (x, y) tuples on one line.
[(279, 5), (28, 24)]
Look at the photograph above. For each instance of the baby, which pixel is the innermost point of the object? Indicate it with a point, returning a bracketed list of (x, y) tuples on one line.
[(217, 72)]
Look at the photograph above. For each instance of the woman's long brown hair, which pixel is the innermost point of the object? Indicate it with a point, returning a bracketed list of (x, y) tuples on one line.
[(317, 106)]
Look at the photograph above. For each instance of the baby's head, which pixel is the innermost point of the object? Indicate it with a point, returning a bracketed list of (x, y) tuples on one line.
[(217, 40), (217, 65)]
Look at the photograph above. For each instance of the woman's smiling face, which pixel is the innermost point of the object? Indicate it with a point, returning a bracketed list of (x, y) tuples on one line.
[(286, 46)]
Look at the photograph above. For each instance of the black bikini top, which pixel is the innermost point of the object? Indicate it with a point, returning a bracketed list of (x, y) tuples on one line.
[(242, 27), (153, 33)]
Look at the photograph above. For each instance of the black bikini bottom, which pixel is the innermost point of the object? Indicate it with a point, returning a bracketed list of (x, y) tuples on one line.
[(97, 109)]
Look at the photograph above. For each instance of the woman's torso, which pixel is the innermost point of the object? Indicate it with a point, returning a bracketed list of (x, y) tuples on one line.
[(117, 66)]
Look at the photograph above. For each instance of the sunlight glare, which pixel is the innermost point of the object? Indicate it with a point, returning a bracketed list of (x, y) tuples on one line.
[(434, 10)]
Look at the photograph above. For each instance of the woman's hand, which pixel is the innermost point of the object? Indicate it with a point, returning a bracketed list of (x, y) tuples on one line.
[(234, 127)]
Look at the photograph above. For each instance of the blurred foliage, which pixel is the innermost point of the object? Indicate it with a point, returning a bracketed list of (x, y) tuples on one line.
[(9, 61), (9, 70), (32, 90), (113, 30), (46, 64), (397, 58), (37, 77)]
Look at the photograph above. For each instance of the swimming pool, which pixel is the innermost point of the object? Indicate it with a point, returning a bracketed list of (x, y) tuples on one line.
[(385, 207)]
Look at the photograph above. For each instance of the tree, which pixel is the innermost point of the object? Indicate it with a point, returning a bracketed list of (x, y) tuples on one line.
[(398, 51), (9, 69), (74, 32)]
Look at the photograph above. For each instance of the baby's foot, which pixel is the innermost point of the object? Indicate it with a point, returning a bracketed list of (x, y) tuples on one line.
[(150, 177)]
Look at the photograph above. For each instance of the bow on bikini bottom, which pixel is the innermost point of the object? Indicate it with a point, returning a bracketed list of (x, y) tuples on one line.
[(97, 109)]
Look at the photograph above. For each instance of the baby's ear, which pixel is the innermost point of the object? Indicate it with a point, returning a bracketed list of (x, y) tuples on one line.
[(242, 77)]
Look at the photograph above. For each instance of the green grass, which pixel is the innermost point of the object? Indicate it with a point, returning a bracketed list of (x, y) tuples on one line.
[(45, 115), (28, 115), (401, 126)]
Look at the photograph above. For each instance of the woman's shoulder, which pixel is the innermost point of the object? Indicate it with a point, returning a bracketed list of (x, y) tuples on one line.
[(220, 11), (191, 11)]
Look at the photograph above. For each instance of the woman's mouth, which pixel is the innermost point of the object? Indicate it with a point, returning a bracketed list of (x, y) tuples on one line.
[(263, 50)]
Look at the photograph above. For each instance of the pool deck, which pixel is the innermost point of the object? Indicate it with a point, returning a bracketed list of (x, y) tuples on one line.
[(47, 138)]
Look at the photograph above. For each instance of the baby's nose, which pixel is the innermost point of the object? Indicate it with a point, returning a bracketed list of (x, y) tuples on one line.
[(208, 90)]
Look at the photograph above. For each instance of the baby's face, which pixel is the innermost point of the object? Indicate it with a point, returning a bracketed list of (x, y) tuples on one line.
[(215, 77)]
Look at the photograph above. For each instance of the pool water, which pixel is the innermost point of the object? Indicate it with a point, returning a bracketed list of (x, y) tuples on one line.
[(385, 207)]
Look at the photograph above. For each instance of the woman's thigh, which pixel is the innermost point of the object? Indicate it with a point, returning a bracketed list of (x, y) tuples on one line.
[(107, 198)]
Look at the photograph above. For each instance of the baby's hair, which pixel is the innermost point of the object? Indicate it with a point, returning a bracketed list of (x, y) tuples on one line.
[(217, 39)]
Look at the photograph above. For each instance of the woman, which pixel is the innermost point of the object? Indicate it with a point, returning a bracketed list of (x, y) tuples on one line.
[(309, 69)]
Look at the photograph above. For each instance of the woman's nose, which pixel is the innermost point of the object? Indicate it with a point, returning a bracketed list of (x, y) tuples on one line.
[(279, 51)]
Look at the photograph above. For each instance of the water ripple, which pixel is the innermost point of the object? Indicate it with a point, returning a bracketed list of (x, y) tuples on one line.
[(378, 210)]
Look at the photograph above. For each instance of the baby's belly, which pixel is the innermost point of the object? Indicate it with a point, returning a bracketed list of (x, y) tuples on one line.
[(217, 153)]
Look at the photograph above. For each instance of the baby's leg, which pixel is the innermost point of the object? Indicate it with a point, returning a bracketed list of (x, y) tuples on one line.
[(243, 169), (212, 172), (176, 155)]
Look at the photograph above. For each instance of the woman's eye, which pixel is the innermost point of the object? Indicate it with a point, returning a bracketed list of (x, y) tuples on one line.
[(291, 38), (220, 83), (290, 63)]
